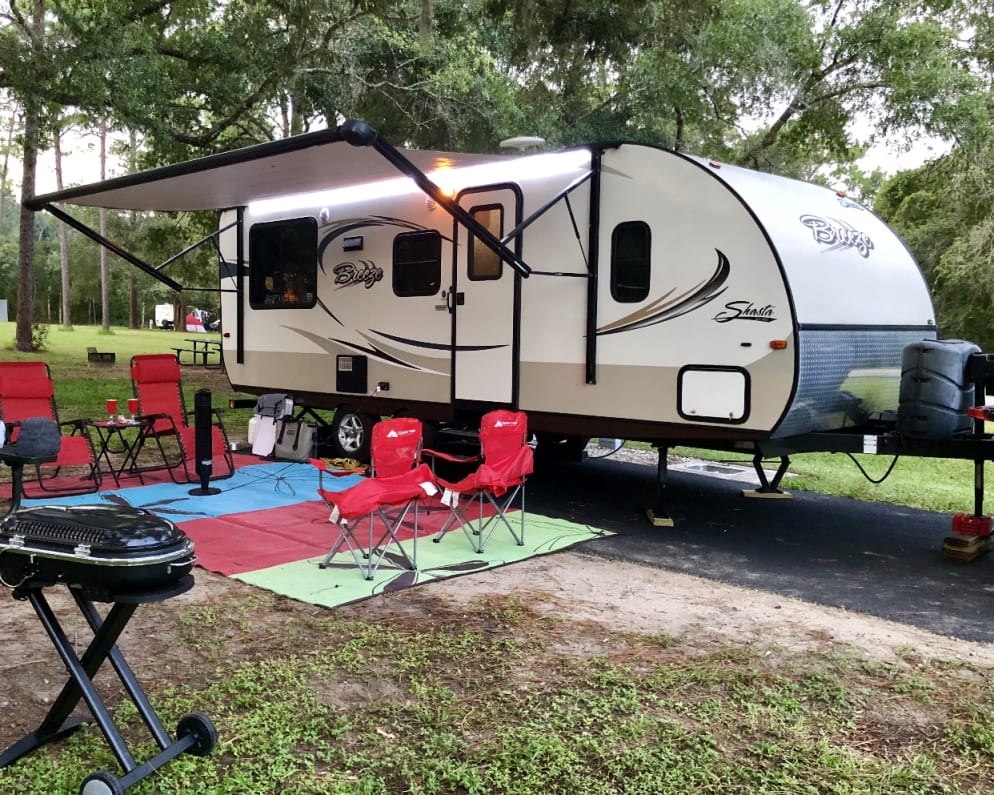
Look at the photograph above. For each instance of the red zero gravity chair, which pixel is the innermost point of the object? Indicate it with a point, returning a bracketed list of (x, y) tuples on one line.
[(155, 379), (26, 391), (506, 461), (396, 480)]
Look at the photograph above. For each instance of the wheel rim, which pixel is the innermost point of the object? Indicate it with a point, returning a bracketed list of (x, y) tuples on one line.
[(351, 433)]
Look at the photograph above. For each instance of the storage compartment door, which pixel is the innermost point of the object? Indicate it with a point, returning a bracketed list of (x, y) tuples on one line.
[(713, 394)]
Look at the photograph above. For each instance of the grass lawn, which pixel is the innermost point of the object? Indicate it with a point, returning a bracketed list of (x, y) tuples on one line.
[(81, 390)]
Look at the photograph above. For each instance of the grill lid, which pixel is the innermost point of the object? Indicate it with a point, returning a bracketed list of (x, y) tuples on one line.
[(105, 530)]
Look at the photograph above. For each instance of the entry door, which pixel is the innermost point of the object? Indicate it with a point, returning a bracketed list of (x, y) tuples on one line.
[(483, 300)]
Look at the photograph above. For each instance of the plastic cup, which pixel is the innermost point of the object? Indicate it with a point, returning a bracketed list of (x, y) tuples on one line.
[(111, 407), (132, 407)]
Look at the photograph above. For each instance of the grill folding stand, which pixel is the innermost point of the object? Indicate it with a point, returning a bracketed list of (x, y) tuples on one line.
[(159, 570)]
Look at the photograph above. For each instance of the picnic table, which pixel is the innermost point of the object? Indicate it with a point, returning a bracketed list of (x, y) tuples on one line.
[(200, 352)]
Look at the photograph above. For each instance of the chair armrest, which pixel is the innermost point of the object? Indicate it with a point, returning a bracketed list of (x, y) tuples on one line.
[(157, 416), (459, 459), (79, 427)]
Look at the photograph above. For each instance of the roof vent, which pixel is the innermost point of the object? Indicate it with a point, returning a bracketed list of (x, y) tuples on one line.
[(522, 143)]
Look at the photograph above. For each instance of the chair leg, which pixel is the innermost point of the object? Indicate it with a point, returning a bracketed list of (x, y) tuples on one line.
[(500, 516), (348, 540), (480, 529), (455, 513), (93, 480), (368, 560), (472, 528), (391, 533)]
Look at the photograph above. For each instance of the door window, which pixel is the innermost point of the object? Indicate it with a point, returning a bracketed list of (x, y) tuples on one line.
[(483, 264)]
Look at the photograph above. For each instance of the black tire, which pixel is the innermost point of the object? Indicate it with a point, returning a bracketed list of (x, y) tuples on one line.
[(201, 727), (102, 782), (351, 431)]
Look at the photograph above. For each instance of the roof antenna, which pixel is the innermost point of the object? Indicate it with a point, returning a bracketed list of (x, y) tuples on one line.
[(522, 143)]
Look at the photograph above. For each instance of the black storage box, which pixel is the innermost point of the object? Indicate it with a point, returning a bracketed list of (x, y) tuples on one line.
[(105, 550)]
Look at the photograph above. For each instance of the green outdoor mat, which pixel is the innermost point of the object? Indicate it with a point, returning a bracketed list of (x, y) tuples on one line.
[(342, 581)]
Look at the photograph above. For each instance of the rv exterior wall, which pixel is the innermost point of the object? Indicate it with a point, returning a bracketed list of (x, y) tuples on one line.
[(858, 295), (735, 261)]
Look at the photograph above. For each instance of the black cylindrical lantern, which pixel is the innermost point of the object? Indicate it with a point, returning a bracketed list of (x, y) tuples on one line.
[(203, 436)]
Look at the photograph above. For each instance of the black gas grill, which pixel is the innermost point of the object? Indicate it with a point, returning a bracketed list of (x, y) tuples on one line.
[(99, 549), (116, 554)]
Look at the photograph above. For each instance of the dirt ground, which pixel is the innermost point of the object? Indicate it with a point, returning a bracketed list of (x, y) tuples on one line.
[(597, 598)]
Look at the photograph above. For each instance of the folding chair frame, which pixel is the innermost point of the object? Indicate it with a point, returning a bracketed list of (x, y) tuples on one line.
[(497, 451), (396, 451), (476, 530), (95, 476), (376, 551), (90, 482), (153, 429)]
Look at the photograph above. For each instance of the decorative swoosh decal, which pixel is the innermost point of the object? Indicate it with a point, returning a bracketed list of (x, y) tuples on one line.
[(441, 346), (668, 306), (330, 344)]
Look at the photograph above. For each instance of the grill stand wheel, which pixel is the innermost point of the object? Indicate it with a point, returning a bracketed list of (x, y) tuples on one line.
[(101, 783), (196, 734), (201, 728)]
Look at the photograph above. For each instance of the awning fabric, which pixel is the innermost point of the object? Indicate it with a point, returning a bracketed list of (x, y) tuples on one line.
[(321, 160)]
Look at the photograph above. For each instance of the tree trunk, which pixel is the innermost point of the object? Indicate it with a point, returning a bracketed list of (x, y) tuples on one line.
[(63, 239), (133, 319), (26, 240), (23, 338), (6, 161)]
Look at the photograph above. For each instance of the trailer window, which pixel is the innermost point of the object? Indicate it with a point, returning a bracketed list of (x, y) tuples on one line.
[(283, 262), (417, 263), (631, 245), (484, 264)]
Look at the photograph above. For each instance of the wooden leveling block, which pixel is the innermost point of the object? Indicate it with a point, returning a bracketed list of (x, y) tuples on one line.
[(768, 494), (658, 519), (965, 548)]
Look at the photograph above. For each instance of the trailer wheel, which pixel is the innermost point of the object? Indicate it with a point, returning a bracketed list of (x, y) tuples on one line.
[(350, 433)]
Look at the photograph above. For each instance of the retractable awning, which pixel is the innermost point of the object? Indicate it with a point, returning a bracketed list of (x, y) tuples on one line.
[(322, 160), (350, 154)]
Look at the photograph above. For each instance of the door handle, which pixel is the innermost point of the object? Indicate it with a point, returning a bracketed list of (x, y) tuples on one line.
[(454, 299)]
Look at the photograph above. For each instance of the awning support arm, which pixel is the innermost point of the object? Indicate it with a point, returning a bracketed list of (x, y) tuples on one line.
[(194, 246), (127, 256), (563, 194), (359, 133)]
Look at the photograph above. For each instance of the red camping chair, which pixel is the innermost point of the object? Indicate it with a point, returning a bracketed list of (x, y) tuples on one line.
[(506, 461), (155, 379), (396, 480), (26, 391)]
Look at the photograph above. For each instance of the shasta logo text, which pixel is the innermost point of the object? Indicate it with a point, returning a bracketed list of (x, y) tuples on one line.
[(745, 310)]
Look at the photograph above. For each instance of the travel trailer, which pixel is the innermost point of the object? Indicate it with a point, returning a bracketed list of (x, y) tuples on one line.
[(614, 290)]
